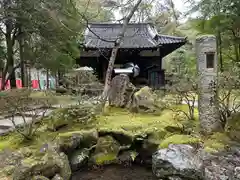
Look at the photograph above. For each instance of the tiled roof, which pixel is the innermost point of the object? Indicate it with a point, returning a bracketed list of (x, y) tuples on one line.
[(138, 35), (164, 39)]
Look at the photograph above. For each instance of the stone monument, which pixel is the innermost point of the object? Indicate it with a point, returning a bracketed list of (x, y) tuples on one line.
[(207, 67), (120, 91)]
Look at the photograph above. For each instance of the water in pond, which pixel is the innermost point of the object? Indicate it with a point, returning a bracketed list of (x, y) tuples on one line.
[(115, 172)]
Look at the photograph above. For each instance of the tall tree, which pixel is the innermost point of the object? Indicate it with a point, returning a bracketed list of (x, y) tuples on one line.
[(115, 51), (221, 17), (42, 32)]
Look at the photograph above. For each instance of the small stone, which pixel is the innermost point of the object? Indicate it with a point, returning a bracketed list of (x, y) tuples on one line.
[(237, 172), (57, 177)]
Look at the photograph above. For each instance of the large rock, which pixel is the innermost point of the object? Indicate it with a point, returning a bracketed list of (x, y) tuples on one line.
[(47, 165), (184, 162), (145, 152), (67, 116), (9, 160), (223, 165), (78, 159), (73, 140), (122, 136), (106, 151), (120, 91), (145, 98), (126, 158), (178, 161)]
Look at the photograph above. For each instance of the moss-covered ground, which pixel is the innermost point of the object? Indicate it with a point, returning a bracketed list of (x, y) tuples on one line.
[(163, 128)]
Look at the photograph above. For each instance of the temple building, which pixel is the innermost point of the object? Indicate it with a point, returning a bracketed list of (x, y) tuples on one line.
[(142, 45)]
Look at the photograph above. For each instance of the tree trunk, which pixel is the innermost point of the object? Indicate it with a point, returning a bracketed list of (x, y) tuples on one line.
[(58, 76), (219, 39), (4, 73), (38, 78), (235, 45), (13, 81), (10, 59), (26, 77), (115, 51), (22, 65), (56, 80), (47, 79), (29, 77), (172, 5)]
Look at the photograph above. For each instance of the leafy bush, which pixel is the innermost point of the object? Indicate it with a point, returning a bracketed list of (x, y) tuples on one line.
[(19, 103), (185, 88), (229, 93)]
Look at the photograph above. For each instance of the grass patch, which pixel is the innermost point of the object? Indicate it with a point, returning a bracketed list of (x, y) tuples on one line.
[(11, 141), (216, 142), (119, 120), (123, 122), (135, 123), (179, 139), (101, 159), (51, 96)]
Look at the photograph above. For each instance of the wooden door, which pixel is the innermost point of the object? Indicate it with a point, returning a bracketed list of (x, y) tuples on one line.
[(154, 79)]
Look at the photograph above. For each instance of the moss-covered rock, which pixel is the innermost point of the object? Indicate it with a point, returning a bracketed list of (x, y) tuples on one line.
[(9, 160), (73, 140), (174, 129), (62, 117), (127, 157), (179, 139), (39, 178), (56, 120), (25, 152), (149, 147), (47, 165), (8, 170), (56, 124), (145, 100), (122, 136), (82, 114), (157, 134), (78, 159), (106, 151)]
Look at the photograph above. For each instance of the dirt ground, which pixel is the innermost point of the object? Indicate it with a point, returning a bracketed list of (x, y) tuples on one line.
[(115, 172)]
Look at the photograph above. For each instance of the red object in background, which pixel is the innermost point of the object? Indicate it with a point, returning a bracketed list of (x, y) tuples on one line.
[(7, 85), (35, 84), (19, 83)]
